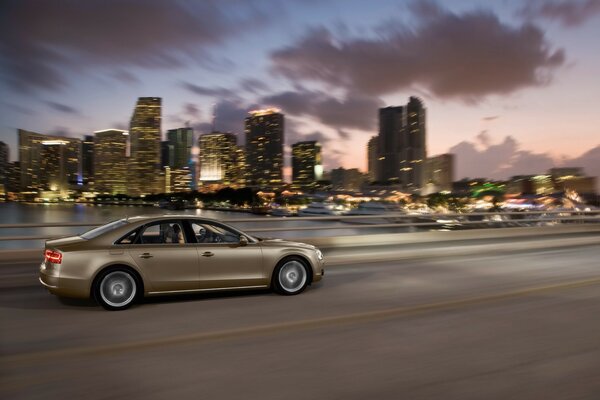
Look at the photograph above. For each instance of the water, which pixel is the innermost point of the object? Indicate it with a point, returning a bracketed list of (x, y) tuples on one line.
[(20, 213)]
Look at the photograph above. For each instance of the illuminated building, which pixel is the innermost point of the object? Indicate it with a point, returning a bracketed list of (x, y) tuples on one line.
[(390, 134), (180, 180), (87, 160), (110, 161), (439, 173), (264, 147), (220, 159), (307, 166), (4, 162), (572, 178), (63, 161), (180, 142), (13, 177), (372, 158), (347, 179), (402, 145), (413, 147), (240, 167), (164, 153), (145, 135)]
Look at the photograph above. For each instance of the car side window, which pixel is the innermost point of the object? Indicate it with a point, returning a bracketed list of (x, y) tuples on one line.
[(210, 233), (163, 233), (129, 238)]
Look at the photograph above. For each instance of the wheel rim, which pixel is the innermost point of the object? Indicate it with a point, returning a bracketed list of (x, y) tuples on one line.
[(292, 276), (117, 289)]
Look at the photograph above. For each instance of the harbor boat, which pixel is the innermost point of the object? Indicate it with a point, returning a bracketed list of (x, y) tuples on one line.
[(371, 208), (318, 208)]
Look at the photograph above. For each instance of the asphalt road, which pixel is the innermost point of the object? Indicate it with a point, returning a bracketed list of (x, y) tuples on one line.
[(503, 326)]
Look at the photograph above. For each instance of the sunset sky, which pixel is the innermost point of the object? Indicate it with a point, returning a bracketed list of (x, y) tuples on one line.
[(510, 87)]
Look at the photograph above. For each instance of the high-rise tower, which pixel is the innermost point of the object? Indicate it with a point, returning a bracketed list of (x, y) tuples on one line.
[(264, 147), (391, 129), (307, 167), (402, 145), (372, 158), (413, 148), (180, 145), (218, 158), (110, 162), (41, 156), (145, 136)]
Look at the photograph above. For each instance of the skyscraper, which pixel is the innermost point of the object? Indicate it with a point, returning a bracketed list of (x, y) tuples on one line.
[(110, 162), (145, 135), (165, 152), (218, 158), (372, 158), (87, 160), (391, 135), (402, 145), (307, 166), (180, 145), (413, 147), (4, 162), (438, 172), (34, 147), (264, 147)]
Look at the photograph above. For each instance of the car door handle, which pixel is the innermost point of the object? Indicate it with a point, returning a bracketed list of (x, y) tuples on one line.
[(146, 255), (208, 254)]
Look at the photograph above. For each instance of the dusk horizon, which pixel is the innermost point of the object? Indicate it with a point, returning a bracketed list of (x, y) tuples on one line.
[(509, 89)]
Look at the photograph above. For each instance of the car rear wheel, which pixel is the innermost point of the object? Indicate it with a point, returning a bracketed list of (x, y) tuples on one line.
[(291, 276), (116, 289)]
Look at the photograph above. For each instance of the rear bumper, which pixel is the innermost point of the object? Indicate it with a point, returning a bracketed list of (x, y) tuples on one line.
[(63, 287)]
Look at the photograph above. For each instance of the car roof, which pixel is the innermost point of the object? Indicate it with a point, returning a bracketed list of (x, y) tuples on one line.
[(155, 217)]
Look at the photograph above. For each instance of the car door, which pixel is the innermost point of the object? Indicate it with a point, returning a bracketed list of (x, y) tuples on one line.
[(169, 262), (223, 261)]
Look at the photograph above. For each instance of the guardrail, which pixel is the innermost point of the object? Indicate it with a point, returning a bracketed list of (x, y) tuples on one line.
[(391, 220)]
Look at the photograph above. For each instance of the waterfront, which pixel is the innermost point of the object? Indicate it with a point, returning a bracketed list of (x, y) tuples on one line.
[(28, 213)]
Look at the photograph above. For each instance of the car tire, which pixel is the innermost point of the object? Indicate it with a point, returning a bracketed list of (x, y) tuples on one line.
[(116, 289), (291, 276)]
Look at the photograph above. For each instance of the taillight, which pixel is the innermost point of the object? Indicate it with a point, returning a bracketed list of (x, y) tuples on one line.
[(53, 256)]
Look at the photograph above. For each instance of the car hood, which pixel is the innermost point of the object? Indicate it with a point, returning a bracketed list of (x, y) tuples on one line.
[(269, 242)]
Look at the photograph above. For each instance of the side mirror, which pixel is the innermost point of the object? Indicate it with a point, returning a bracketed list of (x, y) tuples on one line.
[(243, 240)]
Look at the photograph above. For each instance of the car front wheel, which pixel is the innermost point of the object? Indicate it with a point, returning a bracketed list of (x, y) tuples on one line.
[(291, 276), (116, 289)]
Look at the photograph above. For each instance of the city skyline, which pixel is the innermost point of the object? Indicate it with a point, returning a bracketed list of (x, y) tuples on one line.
[(499, 108)]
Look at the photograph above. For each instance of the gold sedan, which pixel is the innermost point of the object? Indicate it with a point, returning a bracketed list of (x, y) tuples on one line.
[(124, 260)]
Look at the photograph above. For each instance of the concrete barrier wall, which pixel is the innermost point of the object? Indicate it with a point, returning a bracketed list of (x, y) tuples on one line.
[(448, 236), (401, 239)]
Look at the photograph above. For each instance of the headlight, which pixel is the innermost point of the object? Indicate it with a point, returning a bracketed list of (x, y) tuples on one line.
[(319, 254)]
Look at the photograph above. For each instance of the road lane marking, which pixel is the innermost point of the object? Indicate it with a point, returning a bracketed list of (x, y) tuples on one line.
[(275, 328)]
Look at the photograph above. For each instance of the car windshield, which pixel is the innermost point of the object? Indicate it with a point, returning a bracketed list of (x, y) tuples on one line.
[(103, 229)]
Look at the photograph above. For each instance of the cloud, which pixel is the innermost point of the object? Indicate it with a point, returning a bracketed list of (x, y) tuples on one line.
[(253, 85), (18, 108), (43, 43), (569, 13), (191, 110), (483, 138), (293, 136), (230, 117), (497, 161), (490, 118), (208, 91), (466, 56), (355, 111), (125, 76), (63, 108), (590, 161)]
